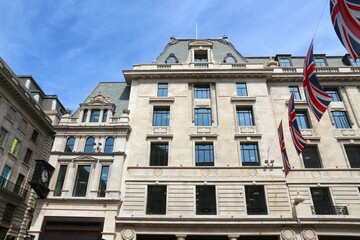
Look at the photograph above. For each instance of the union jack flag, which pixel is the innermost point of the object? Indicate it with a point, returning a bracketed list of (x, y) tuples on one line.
[(316, 98), (284, 156), (345, 16), (297, 138)]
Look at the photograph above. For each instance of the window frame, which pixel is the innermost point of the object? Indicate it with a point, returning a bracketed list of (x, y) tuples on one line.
[(260, 208), (297, 94), (354, 156), (89, 145), (156, 204), (8, 213), (163, 90), (203, 117), (81, 192), (241, 89), (341, 121), (70, 147), (60, 180), (3, 136), (85, 115), (15, 146), (11, 113), (105, 115), (108, 145), (27, 156), (289, 64), (158, 158), (322, 64), (204, 156), (206, 202), (202, 91), (245, 116), (95, 115), (103, 182), (161, 116), (34, 136), (201, 56), (334, 93), (320, 207), (302, 118), (317, 163), (246, 154)]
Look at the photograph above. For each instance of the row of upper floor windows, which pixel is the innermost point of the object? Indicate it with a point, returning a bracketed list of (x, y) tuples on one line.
[(90, 145), (94, 115), (249, 155), (320, 61), (200, 56)]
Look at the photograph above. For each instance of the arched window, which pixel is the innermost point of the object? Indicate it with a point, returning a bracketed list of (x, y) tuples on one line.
[(85, 113), (171, 59), (70, 144), (105, 115), (109, 145), (229, 58), (89, 145)]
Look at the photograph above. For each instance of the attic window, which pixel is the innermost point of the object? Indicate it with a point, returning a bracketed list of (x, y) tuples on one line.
[(171, 59), (201, 56), (229, 58)]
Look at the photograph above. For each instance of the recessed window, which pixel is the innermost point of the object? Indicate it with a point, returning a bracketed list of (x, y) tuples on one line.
[(205, 200), (95, 115), (302, 119), (8, 213), (162, 90), (204, 154), (5, 175), (201, 91), (322, 201), (311, 157), (200, 56), (255, 200), (81, 181), (60, 180), (249, 154), (340, 119), (11, 113), (229, 58), (241, 90), (15, 146), (171, 59), (70, 144), (109, 145), (28, 155), (34, 135), (159, 154), (161, 116), (3, 133), (23, 125), (320, 62), (105, 114), (18, 184), (285, 62), (103, 181), (244, 116), (89, 145), (334, 93), (202, 117), (295, 90), (353, 154), (156, 200), (85, 114)]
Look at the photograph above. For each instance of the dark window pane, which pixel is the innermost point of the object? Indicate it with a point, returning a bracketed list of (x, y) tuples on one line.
[(156, 200), (162, 90), (35, 135), (244, 116), (203, 117), (334, 93), (70, 144), (249, 154), (105, 114), (159, 154), (201, 56), (85, 113), (302, 119), (27, 156), (255, 200), (202, 91), (205, 200), (311, 157), (18, 183), (161, 116), (322, 201), (204, 155), (340, 119), (89, 145), (95, 114), (353, 154), (81, 181), (109, 145), (8, 214), (60, 180), (103, 181), (295, 90), (241, 89)]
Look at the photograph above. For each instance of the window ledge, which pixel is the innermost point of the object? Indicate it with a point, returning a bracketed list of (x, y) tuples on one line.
[(247, 135), (161, 100), (346, 133), (204, 136), (243, 100), (159, 136)]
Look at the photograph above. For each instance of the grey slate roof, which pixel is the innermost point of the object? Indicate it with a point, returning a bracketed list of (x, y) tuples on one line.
[(118, 92)]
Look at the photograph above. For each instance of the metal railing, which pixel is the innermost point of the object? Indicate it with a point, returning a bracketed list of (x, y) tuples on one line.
[(332, 210), (12, 187)]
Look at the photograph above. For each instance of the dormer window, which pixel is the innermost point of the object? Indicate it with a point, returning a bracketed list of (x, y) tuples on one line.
[(320, 62), (201, 56), (284, 62), (95, 114), (229, 58), (171, 59), (85, 113), (104, 118)]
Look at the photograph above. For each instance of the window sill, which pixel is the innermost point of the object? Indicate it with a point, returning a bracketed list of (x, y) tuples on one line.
[(166, 100), (243, 100)]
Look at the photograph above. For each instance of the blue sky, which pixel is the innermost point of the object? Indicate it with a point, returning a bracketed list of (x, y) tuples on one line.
[(69, 46)]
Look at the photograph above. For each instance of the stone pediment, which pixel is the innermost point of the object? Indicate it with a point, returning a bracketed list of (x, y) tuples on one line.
[(200, 43), (97, 100), (85, 158)]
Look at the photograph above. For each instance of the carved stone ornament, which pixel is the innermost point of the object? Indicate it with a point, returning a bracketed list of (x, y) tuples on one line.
[(288, 234), (309, 234), (272, 63), (99, 98), (128, 233)]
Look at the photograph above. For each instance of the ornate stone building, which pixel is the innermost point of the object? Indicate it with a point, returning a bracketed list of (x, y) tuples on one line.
[(26, 135)]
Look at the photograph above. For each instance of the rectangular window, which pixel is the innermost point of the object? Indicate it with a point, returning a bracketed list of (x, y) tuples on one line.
[(202, 117), (204, 154), (159, 154), (15, 146), (284, 62), (105, 113), (34, 135), (161, 116), (81, 181), (311, 157), (5, 175), (202, 91), (241, 90), (322, 202), (162, 90), (205, 200), (11, 113), (3, 133), (244, 116), (8, 214), (156, 200), (200, 56), (320, 62), (295, 90), (302, 119), (85, 113), (23, 125), (18, 183), (103, 181), (27, 156), (95, 115), (255, 200), (249, 154), (334, 93), (340, 119), (60, 180), (353, 154)]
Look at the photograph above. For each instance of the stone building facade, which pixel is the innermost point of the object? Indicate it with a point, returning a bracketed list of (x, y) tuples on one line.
[(26, 135), (203, 159)]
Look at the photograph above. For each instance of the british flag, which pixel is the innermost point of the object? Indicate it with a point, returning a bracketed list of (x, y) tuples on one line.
[(316, 98), (345, 16), (284, 156), (297, 138)]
